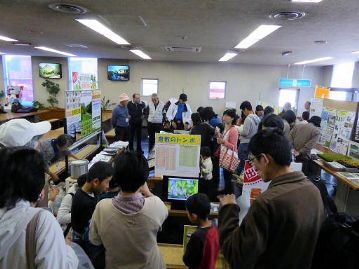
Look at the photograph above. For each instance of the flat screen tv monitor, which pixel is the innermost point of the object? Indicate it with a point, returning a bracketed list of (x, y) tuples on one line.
[(50, 70), (178, 189), (118, 72)]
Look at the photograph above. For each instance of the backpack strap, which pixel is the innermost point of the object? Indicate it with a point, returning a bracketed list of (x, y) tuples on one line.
[(31, 241)]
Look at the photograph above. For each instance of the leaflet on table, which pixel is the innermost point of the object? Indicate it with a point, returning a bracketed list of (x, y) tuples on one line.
[(177, 155), (253, 186)]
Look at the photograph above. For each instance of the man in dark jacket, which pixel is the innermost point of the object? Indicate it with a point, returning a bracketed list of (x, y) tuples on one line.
[(135, 110), (282, 225)]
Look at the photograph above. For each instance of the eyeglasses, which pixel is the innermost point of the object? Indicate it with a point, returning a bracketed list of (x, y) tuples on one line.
[(252, 157)]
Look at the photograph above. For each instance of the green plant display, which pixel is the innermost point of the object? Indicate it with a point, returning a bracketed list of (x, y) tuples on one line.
[(105, 103), (333, 157), (53, 89)]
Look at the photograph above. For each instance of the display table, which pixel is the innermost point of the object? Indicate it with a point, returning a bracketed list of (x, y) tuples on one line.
[(52, 134), (10, 115), (59, 167)]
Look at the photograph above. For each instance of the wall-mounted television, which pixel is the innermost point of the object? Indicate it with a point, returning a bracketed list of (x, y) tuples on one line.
[(50, 70), (118, 72)]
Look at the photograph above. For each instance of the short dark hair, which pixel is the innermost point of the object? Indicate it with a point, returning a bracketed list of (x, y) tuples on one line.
[(206, 151), (231, 113), (271, 121), (64, 140), (196, 118), (259, 108), (100, 170), (268, 110), (134, 95), (315, 120), (200, 109), (272, 142), (246, 105), (82, 180), (22, 174), (289, 116), (208, 113), (183, 97), (131, 171), (199, 204), (305, 115)]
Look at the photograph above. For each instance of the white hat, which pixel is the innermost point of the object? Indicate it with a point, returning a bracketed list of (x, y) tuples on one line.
[(18, 132), (123, 97)]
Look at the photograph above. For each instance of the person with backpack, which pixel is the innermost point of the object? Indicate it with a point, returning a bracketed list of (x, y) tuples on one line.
[(283, 223), (30, 237)]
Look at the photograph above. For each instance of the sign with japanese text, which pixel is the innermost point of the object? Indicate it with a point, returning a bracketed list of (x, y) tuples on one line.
[(178, 139)]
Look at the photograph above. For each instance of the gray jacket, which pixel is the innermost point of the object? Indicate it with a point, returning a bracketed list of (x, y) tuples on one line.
[(250, 128)]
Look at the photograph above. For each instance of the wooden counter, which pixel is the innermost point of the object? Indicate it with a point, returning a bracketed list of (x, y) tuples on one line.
[(86, 151), (172, 256), (335, 174), (9, 115), (52, 134)]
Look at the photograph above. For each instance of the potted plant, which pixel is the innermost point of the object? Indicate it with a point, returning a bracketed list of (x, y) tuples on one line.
[(53, 89), (105, 104)]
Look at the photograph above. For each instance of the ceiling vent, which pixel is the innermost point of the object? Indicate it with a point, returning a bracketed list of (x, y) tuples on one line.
[(183, 49), (287, 15), (68, 8)]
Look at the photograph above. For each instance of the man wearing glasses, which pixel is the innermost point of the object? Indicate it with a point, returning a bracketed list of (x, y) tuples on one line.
[(282, 225)]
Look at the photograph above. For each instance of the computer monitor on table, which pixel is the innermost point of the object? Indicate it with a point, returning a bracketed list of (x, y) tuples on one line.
[(177, 189)]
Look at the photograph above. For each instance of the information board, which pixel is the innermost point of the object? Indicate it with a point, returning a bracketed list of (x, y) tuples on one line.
[(177, 155)]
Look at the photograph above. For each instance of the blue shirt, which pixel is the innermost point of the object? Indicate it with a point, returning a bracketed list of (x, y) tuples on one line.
[(179, 116), (215, 121), (120, 116)]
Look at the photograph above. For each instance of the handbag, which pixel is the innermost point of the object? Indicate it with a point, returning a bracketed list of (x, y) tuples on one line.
[(228, 159)]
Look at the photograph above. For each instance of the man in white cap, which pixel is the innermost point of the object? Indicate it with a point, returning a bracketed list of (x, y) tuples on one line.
[(120, 119), (20, 132)]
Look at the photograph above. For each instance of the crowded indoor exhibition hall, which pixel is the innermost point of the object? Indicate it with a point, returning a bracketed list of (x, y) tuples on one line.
[(198, 134)]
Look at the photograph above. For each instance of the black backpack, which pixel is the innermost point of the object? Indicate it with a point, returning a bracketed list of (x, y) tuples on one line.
[(338, 242)]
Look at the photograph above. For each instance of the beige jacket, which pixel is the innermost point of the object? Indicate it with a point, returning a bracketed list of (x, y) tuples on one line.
[(303, 138), (130, 240)]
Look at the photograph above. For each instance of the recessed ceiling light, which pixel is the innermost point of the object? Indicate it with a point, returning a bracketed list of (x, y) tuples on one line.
[(141, 54), (286, 53), (258, 34), (228, 56), (314, 60), (5, 38), (306, 1), (103, 30), (55, 51), (287, 15), (78, 46), (68, 8)]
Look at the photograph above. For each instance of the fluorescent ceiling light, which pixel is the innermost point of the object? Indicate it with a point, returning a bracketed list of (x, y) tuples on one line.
[(228, 56), (356, 52), (141, 54), (258, 34), (307, 1), (2, 53), (314, 60), (103, 30), (5, 38), (55, 51)]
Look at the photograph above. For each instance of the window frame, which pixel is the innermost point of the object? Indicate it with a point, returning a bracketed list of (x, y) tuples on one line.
[(158, 83), (296, 99), (209, 89)]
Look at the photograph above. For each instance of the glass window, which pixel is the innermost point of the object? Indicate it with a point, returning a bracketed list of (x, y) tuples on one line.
[(149, 86), (79, 66), (18, 72), (342, 75), (217, 89), (340, 95), (288, 96)]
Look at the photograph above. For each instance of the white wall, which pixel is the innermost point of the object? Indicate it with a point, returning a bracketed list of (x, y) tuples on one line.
[(2, 86), (244, 82), (40, 93)]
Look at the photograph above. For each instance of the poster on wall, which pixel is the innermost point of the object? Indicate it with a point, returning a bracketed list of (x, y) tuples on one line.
[(316, 107), (327, 126), (177, 155), (83, 82)]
